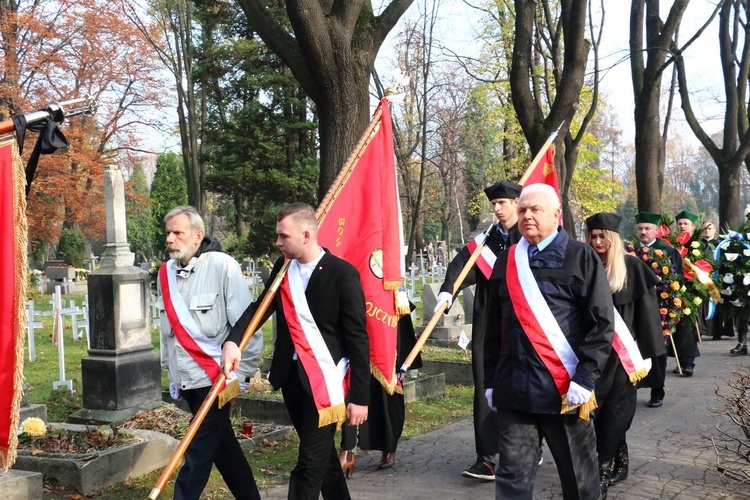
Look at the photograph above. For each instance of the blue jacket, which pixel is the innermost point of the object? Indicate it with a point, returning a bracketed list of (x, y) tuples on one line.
[(574, 284)]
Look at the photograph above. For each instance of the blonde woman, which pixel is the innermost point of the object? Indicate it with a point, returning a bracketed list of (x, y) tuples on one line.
[(632, 284)]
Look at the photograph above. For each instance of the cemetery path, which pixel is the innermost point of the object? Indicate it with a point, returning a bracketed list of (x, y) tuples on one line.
[(671, 451)]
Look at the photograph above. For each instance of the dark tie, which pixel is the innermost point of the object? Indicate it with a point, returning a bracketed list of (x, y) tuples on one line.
[(533, 250)]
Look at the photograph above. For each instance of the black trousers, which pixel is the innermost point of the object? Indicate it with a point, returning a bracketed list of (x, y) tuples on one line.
[(656, 377), (485, 426), (318, 469), (571, 441), (615, 414), (214, 443)]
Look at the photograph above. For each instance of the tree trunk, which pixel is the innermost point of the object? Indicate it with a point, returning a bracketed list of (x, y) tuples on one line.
[(342, 117)]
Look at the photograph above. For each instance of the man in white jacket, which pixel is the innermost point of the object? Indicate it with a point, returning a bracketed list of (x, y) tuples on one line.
[(203, 293)]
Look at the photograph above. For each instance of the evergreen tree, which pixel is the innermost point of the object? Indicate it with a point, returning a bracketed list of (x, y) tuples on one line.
[(259, 144), (168, 190), (139, 221)]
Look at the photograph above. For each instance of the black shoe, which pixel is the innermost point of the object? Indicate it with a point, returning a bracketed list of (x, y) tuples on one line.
[(482, 469), (739, 349), (620, 468), (687, 371), (676, 370), (655, 403)]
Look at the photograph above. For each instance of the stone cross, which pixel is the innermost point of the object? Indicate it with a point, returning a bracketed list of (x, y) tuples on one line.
[(117, 251)]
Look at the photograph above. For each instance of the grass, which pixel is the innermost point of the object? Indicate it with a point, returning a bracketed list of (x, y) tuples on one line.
[(271, 462)]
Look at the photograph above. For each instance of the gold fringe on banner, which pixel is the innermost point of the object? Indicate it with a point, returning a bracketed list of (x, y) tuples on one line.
[(21, 229), (390, 388)]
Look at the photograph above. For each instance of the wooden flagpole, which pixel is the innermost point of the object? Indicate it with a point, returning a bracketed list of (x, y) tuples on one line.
[(320, 213)]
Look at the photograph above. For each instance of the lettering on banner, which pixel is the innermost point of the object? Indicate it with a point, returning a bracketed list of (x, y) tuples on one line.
[(380, 315), (340, 230)]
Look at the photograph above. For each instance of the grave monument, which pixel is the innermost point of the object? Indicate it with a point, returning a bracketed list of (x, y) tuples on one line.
[(121, 374)]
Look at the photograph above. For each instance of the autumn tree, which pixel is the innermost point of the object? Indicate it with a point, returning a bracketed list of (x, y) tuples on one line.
[(330, 51), (68, 49)]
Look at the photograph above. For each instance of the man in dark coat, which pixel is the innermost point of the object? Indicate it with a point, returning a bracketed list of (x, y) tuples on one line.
[(542, 364), (503, 197), (647, 224), (685, 336), (320, 325)]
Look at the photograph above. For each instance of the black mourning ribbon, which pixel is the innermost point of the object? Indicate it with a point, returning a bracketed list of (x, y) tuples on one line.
[(50, 140)]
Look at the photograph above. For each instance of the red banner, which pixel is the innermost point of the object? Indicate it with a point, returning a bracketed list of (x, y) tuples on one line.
[(363, 227), (13, 264), (544, 172)]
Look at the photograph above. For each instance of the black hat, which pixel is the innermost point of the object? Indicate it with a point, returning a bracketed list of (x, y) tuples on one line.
[(503, 189), (686, 215), (604, 220), (649, 217)]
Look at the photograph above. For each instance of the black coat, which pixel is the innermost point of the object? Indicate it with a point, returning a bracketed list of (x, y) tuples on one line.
[(574, 284), (337, 303), (638, 306)]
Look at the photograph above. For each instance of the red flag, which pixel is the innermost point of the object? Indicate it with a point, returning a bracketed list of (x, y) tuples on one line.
[(544, 171), (13, 264), (363, 227)]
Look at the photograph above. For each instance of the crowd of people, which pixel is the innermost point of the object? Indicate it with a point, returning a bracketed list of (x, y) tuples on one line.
[(564, 332)]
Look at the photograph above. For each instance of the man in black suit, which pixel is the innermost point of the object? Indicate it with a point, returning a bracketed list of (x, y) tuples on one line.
[(320, 332)]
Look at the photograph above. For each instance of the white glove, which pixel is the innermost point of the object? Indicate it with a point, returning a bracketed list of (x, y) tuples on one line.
[(488, 397), (647, 361), (577, 395), (443, 297), (174, 391)]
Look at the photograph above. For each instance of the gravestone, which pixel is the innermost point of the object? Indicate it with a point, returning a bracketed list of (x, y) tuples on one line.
[(450, 325), (121, 374)]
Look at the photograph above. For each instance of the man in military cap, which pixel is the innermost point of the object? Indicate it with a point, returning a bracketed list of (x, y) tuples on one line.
[(503, 197), (647, 225), (685, 336), (685, 222)]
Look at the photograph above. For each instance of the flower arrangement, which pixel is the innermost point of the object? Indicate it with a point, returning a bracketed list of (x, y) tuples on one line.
[(694, 252), (733, 258), (672, 305)]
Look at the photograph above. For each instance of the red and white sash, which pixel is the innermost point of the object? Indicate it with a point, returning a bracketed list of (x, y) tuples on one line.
[(540, 325), (202, 349), (328, 380), (487, 258), (627, 350)]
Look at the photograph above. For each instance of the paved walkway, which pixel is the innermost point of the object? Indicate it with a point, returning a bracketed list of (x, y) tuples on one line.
[(671, 454)]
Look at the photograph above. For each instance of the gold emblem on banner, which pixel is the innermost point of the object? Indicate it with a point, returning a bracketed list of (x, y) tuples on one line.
[(376, 263)]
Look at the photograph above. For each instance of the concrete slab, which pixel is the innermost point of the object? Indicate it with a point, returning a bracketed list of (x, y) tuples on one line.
[(21, 485)]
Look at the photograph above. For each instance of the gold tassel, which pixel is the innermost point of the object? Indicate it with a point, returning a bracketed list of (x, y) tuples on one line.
[(584, 410), (332, 415), (392, 285), (8, 457), (231, 391), (637, 375), (402, 303)]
